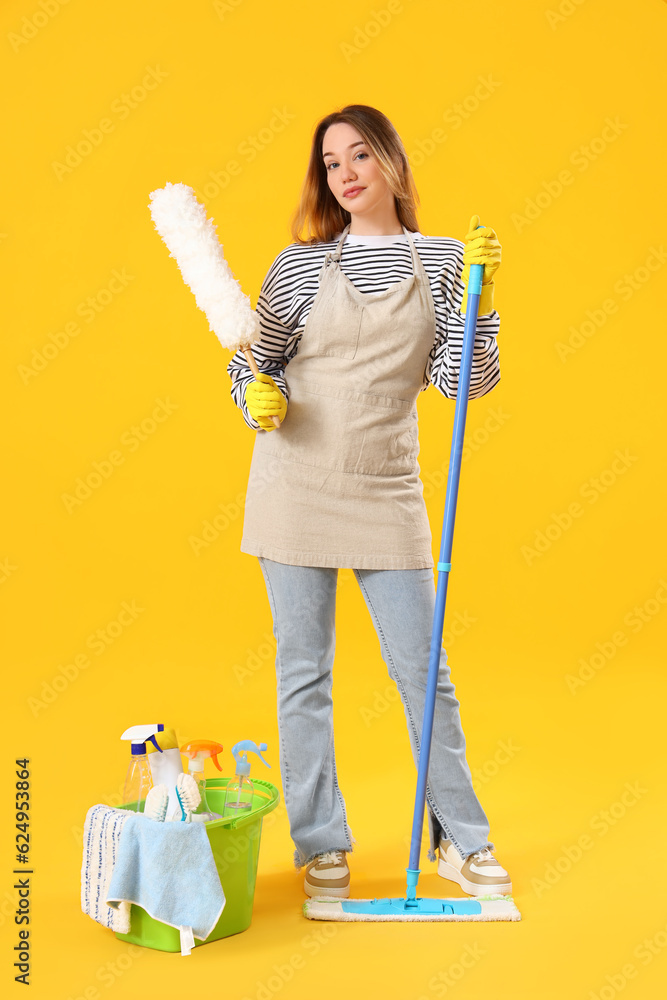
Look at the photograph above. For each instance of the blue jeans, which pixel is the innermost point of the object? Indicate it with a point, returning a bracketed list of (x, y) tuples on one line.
[(401, 604)]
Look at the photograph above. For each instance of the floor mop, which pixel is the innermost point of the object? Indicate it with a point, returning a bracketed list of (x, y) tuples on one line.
[(492, 907)]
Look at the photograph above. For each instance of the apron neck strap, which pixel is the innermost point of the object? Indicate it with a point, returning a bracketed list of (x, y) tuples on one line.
[(335, 255)]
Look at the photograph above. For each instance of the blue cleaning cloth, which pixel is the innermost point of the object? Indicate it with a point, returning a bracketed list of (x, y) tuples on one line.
[(168, 870)]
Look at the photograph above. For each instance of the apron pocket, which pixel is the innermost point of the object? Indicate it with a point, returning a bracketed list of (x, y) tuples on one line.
[(336, 339)]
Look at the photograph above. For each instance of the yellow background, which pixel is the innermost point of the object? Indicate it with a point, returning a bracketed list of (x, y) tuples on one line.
[(199, 654)]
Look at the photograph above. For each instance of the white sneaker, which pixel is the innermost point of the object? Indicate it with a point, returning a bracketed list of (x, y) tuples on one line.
[(328, 875), (479, 874)]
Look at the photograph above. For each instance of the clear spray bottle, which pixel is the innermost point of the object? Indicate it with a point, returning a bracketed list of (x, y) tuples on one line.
[(240, 792), (197, 751), (138, 780)]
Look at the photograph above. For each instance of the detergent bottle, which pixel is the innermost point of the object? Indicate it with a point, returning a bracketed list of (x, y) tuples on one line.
[(138, 780), (239, 792), (166, 767), (197, 751)]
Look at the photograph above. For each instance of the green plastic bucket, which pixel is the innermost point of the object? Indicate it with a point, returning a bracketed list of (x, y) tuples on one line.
[(235, 846)]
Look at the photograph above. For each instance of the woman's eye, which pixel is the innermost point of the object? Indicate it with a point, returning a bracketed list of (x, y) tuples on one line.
[(334, 163)]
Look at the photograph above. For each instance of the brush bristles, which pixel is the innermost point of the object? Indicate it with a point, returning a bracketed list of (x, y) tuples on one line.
[(157, 801), (186, 786), (191, 239)]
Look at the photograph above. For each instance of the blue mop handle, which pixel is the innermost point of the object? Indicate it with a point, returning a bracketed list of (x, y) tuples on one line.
[(444, 565)]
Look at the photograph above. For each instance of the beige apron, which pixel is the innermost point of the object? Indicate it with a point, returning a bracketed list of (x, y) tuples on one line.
[(338, 483)]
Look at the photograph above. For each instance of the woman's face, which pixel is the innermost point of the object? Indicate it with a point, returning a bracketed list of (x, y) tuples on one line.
[(353, 173)]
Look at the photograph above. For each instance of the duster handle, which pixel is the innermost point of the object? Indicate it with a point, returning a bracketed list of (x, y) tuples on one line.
[(250, 358)]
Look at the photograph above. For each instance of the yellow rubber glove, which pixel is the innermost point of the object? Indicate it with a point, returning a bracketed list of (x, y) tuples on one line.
[(265, 400), (481, 247)]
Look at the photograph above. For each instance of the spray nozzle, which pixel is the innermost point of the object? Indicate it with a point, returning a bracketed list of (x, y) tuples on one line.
[(241, 751), (141, 735), (198, 750)]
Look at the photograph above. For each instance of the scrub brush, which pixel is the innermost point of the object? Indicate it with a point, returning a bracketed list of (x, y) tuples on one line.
[(188, 796), (157, 801)]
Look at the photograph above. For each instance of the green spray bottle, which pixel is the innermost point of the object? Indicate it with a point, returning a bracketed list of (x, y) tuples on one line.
[(239, 793)]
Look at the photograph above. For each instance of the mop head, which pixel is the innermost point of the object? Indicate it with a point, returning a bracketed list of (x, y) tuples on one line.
[(191, 239), (492, 907)]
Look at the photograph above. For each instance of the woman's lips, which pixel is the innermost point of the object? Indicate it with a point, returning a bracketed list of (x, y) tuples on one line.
[(353, 192)]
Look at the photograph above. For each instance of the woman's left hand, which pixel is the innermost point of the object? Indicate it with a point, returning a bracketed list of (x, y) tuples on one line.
[(481, 247)]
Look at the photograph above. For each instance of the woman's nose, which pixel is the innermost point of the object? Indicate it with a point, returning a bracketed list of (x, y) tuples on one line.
[(349, 173)]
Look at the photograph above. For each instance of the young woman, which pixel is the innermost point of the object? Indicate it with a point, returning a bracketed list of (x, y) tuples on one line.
[(357, 318)]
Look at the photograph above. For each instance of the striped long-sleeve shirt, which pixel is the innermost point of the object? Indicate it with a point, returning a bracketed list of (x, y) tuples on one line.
[(372, 263)]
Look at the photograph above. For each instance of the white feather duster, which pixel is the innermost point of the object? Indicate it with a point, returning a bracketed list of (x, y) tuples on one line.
[(191, 238)]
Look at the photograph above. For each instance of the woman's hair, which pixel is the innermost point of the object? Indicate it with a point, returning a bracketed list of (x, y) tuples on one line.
[(318, 212)]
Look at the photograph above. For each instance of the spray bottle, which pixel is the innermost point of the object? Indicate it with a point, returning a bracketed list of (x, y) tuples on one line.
[(197, 751), (239, 793), (138, 780), (166, 767)]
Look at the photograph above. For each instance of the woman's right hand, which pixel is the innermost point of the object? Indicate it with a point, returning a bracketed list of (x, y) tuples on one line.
[(265, 400), (481, 246)]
